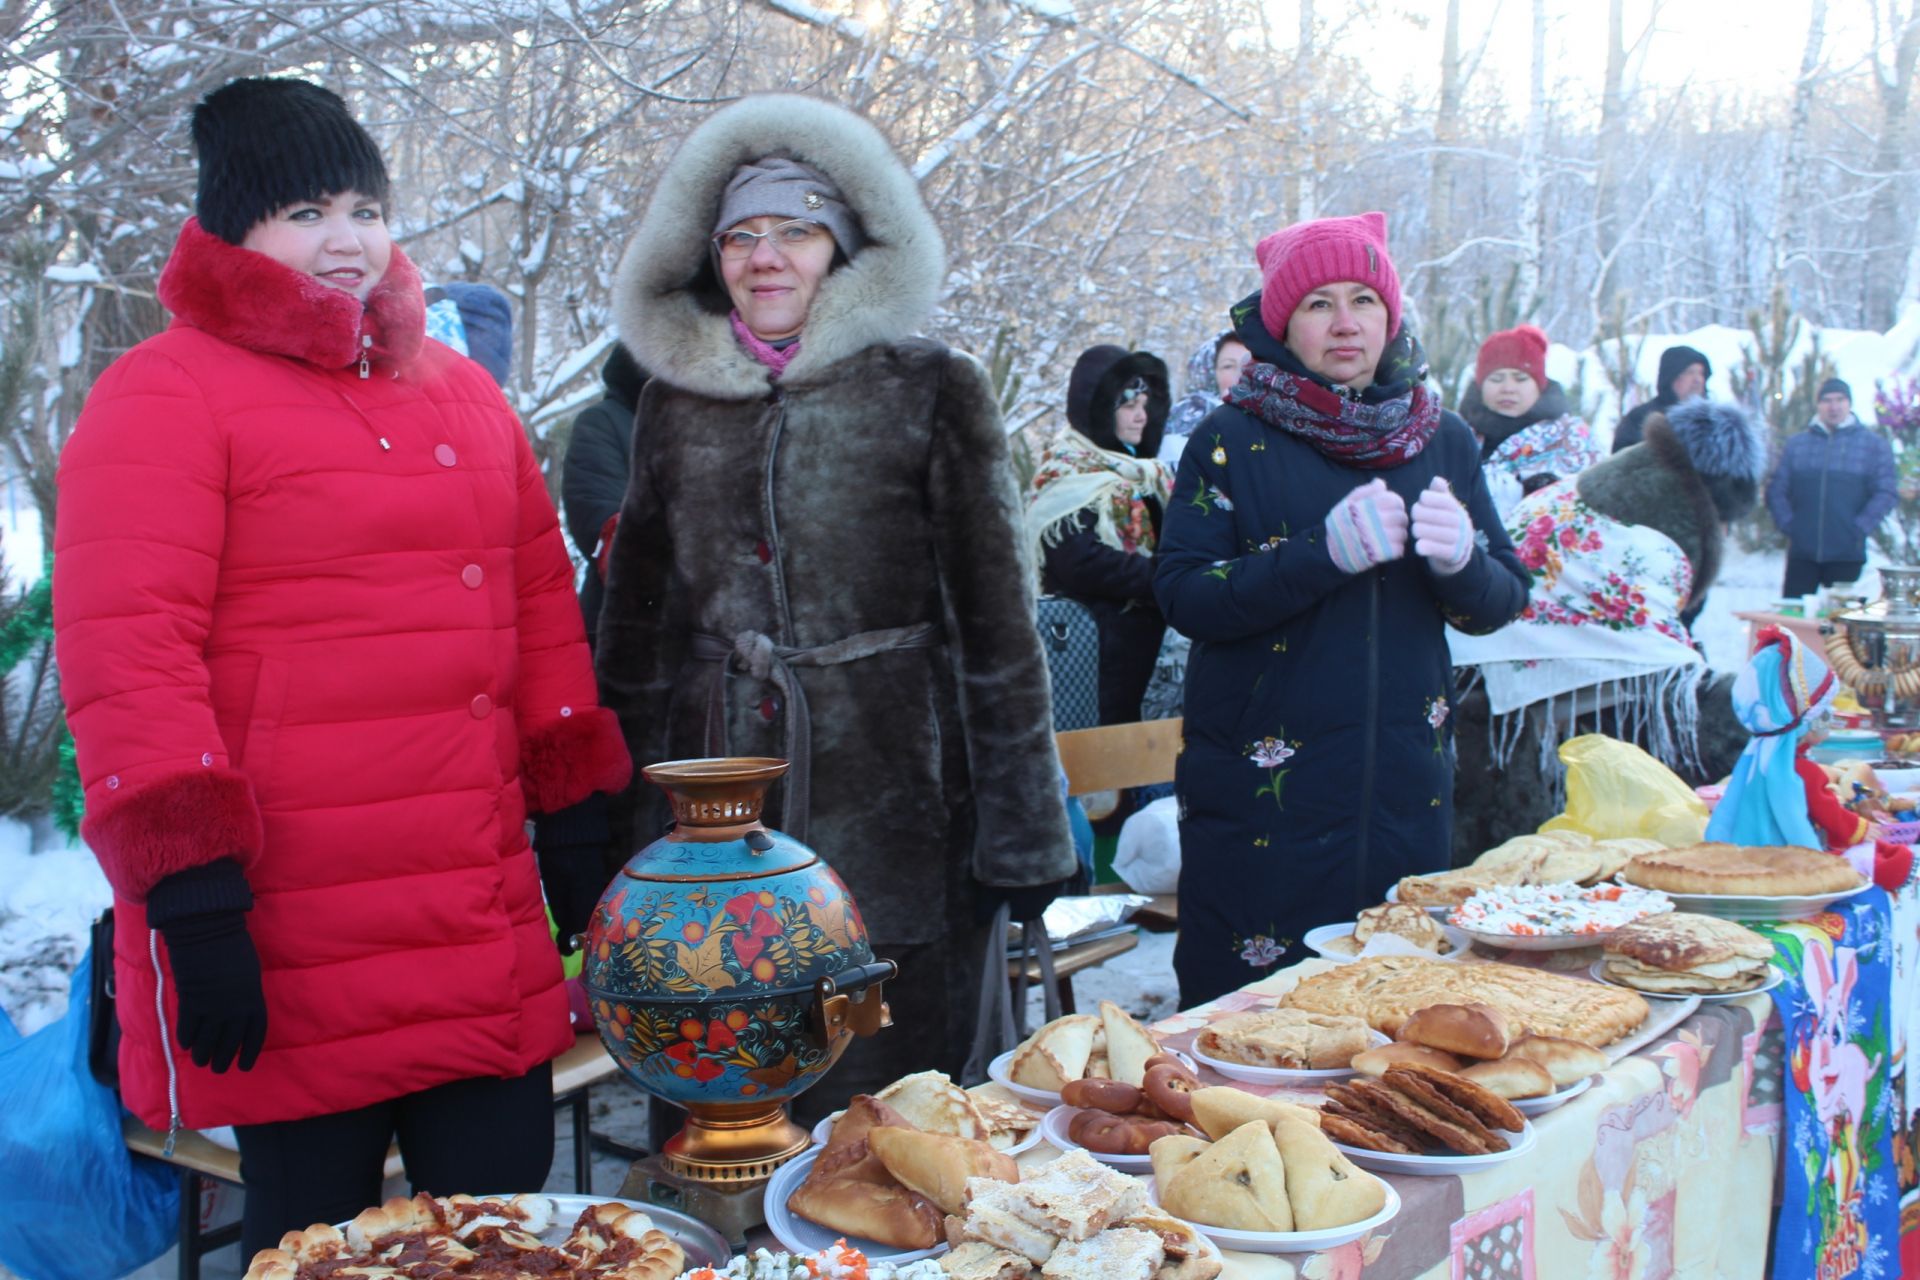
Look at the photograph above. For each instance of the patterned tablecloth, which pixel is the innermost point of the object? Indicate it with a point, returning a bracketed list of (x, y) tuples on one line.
[(1665, 1168)]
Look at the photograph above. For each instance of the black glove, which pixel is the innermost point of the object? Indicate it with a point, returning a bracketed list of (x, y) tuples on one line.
[(573, 880), (571, 848), (219, 1005), (1024, 902)]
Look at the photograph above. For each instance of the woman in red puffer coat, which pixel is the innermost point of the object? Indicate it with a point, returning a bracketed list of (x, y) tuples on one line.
[(321, 656)]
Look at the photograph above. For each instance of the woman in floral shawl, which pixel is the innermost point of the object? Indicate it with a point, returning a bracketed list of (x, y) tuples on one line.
[(1095, 510), (1325, 522)]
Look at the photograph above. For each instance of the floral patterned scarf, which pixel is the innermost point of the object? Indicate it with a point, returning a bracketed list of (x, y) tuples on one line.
[(1075, 475)]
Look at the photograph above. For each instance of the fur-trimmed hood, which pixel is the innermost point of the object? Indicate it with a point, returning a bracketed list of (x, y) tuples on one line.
[(671, 310)]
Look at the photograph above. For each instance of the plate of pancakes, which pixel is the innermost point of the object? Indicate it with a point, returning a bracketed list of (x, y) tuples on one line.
[(1684, 953), (1422, 1120)]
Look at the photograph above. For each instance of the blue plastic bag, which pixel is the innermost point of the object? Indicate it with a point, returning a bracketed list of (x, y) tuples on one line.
[(64, 1169)]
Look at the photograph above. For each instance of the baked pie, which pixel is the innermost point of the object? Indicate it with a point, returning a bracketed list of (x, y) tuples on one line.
[(432, 1238)]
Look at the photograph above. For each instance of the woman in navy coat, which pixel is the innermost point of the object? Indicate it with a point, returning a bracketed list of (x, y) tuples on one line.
[(1326, 522)]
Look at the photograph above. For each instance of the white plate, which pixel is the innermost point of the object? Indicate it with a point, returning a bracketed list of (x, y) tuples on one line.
[(1291, 1241), (797, 1235), (1547, 1102), (997, 1072), (1317, 940), (1438, 913), (1390, 1162), (1538, 942), (1054, 1128), (1756, 907), (1774, 979), (1279, 1075), (824, 1130)]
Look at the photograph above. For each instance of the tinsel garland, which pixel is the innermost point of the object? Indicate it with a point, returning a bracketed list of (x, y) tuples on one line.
[(23, 629)]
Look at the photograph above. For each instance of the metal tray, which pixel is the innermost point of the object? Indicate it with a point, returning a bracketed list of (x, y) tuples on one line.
[(704, 1246)]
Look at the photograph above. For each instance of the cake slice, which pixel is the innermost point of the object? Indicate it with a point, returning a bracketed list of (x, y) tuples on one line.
[(1075, 1197), (1121, 1254), (978, 1260)]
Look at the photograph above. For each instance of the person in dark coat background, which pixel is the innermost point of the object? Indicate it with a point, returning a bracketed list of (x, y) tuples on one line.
[(593, 481), (1835, 484), (1098, 497), (1683, 375), (1313, 549)]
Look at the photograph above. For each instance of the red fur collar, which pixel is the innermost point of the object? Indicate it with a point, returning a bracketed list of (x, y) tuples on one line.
[(250, 300)]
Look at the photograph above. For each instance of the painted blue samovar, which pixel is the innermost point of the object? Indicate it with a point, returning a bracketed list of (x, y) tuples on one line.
[(728, 968)]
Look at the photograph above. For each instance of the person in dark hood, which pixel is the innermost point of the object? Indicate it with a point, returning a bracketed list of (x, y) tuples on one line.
[(1094, 512), (1327, 521), (593, 479), (1683, 375), (1527, 430), (477, 321)]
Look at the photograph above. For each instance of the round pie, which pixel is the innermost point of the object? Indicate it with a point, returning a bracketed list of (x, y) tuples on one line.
[(1732, 870)]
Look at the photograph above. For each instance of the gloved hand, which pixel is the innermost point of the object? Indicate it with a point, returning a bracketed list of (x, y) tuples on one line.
[(1442, 531), (1367, 527), (1024, 902), (570, 846), (220, 1009), (573, 878)]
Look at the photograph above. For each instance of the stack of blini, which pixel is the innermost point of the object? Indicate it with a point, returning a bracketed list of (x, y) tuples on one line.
[(1686, 954)]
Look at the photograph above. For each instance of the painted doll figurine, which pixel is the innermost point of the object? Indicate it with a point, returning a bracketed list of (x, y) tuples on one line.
[(1777, 794)]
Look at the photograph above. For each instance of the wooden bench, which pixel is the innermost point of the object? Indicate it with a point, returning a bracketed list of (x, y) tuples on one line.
[(199, 1161), (1110, 758)]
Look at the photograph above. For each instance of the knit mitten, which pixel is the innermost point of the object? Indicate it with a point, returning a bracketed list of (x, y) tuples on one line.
[(1442, 531), (1367, 527), (1891, 864)]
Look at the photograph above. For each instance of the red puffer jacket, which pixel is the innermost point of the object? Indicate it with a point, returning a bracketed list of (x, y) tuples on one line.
[(313, 613)]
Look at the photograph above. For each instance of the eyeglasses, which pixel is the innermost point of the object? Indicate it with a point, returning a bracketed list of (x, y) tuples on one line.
[(1135, 390), (740, 243)]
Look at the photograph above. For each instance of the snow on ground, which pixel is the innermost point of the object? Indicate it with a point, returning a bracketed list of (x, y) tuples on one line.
[(49, 894)]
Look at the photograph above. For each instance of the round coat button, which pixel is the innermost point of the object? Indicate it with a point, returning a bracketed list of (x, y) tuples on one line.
[(481, 706), (444, 455), (473, 575), (769, 708)]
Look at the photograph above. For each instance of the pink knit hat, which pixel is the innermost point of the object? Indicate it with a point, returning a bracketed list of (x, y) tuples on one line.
[(1296, 260), (1522, 347)]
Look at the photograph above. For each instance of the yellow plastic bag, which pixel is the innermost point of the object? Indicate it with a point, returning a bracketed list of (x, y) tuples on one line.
[(1615, 789)]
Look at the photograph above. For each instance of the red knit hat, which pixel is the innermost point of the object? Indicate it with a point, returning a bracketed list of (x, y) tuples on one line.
[(1522, 347), (1296, 260)]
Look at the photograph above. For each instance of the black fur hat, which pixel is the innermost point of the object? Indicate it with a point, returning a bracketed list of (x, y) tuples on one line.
[(264, 144), (1728, 449)]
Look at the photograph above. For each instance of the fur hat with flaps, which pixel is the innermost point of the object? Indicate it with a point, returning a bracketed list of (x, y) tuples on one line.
[(264, 144), (669, 301)]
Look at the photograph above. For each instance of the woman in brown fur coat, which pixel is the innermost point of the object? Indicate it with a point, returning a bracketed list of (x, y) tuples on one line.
[(820, 555)]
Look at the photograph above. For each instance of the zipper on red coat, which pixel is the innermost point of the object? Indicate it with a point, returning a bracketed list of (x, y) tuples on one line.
[(166, 1041), (366, 362)]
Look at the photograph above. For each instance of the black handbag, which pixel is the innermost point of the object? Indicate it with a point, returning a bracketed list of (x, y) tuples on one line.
[(1071, 641), (103, 1022)]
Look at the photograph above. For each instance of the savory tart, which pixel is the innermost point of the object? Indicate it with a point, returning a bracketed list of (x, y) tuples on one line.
[(1731, 870)]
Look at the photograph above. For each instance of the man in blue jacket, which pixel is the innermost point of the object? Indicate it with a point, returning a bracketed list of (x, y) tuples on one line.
[(1834, 485)]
